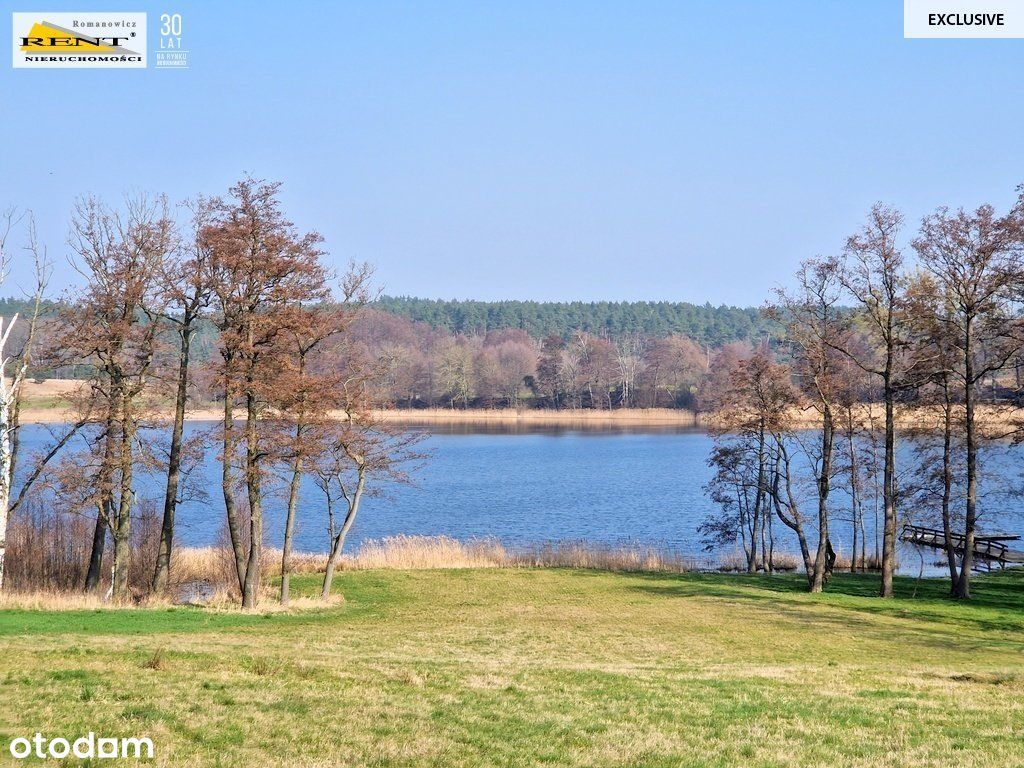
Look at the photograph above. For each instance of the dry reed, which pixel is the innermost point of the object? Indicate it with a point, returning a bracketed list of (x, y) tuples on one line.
[(420, 552), (48, 556)]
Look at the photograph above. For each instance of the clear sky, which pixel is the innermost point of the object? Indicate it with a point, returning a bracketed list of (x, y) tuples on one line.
[(690, 151)]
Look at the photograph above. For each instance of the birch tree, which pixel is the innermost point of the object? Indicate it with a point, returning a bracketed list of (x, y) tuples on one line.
[(13, 369)]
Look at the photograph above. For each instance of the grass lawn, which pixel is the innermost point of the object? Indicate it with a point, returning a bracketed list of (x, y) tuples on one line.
[(530, 667)]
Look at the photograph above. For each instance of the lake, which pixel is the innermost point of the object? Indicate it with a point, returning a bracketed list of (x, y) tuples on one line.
[(528, 487)]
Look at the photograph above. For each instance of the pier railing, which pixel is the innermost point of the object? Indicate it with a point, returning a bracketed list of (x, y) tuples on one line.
[(992, 549)]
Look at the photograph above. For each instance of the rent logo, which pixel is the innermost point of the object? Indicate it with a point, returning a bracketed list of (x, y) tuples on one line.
[(91, 40)]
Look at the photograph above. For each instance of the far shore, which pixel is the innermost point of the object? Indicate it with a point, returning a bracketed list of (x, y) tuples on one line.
[(621, 417), (46, 402), (427, 417)]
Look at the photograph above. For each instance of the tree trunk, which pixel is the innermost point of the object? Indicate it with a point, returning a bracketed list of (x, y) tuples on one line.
[(289, 528), (745, 528), (122, 522), (251, 583), (889, 491), (161, 574), (339, 539), (817, 580), (758, 516), (963, 584), (105, 505), (947, 486), (6, 475), (227, 485), (293, 491), (855, 502), (4, 501), (99, 543), (793, 522), (122, 559)]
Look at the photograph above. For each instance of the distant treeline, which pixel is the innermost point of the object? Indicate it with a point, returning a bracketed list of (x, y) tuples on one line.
[(705, 324)]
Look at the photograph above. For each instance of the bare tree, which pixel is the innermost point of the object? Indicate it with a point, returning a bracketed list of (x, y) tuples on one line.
[(259, 265), (362, 454), (310, 386), (549, 364), (185, 287), (872, 271), (14, 365), (455, 370), (752, 417), (977, 261), (629, 364), (937, 340), (851, 392), (673, 368), (113, 327), (817, 329)]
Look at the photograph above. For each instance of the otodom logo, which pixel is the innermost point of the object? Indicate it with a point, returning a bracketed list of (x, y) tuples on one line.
[(92, 40)]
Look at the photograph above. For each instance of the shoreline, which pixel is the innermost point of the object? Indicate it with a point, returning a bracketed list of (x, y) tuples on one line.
[(426, 417), (995, 419), (46, 403), (624, 417)]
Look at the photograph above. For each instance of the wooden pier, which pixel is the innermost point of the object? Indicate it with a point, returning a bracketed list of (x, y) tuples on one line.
[(988, 550)]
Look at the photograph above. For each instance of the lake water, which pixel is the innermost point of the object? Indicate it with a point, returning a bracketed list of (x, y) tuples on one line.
[(525, 488)]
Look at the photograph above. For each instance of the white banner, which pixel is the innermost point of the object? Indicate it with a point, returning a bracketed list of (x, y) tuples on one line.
[(963, 18)]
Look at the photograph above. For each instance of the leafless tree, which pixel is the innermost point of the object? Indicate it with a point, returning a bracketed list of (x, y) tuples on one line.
[(753, 416), (362, 454), (112, 327), (185, 293), (872, 272), (977, 261), (260, 265), (14, 365), (311, 385), (817, 329)]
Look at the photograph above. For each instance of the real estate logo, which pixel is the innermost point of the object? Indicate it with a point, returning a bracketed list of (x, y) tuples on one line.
[(47, 40)]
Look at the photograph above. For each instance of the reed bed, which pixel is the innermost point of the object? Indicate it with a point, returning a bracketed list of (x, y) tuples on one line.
[(49, 552), (51, 600), (736, 562), (608, 557), (419, 552)]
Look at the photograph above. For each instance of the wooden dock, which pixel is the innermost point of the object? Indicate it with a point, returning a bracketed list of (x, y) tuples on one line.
[(988, 550)]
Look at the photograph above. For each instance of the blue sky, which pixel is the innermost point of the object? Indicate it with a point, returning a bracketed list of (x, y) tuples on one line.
[(573, 150)]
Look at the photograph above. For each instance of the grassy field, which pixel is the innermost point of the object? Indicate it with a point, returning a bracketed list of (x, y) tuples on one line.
[(523, 667)]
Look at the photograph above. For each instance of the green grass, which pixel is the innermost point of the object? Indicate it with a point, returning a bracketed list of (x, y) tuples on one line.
[(540, 667), (45, 403)]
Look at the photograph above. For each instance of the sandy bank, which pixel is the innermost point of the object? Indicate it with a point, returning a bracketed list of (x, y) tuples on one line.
[(46, 403), (631, 417)]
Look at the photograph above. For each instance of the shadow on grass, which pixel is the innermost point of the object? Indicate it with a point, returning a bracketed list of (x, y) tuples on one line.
[(997, 604)]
